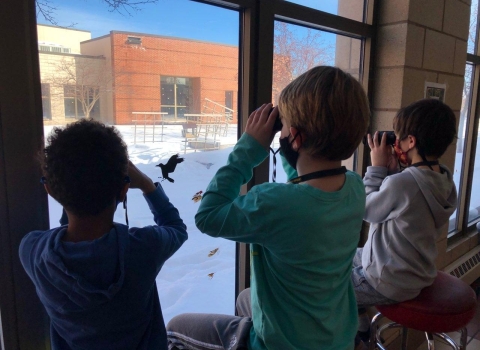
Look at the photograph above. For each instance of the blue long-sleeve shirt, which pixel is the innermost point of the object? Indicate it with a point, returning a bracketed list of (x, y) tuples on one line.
[(102, 294)]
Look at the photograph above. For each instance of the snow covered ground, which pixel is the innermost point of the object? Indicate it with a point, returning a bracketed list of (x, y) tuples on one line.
[(200, 277)]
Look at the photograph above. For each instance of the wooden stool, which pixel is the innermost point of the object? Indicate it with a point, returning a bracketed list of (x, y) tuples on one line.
[(445, 306)]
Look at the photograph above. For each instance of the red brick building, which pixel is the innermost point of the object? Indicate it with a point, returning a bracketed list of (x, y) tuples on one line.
[(153, 73)]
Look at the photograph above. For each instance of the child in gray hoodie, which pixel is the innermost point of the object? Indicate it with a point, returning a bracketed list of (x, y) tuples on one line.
[(406, 210)]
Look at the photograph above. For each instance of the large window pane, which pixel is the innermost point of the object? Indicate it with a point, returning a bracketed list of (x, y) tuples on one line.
[(167, 78), (352, 9), (461, 133), (297, 49)]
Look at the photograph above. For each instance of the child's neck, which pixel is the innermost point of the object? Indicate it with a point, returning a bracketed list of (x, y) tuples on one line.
[(88, 228), (307, 164), (416, 158)]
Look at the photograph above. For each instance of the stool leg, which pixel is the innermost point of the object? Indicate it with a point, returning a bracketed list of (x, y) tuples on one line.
[(430, 342), (404, 338), (463, 339), (373, 331)]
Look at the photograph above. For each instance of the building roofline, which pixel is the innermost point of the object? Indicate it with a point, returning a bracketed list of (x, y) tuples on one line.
[(94, 39), (100, 57), (60, 27), (170, 37)]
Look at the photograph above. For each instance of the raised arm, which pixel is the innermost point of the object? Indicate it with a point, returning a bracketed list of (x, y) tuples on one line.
[(170, 232), (222, 212)]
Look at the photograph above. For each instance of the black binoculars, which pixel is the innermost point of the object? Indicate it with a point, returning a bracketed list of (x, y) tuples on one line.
[(390, 137), (278, 123)]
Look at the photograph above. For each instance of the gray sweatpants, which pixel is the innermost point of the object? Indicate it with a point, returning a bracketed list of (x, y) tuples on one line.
[(366, 295), (212, 331)]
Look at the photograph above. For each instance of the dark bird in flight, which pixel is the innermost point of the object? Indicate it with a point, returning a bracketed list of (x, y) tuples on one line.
[(170, 166)]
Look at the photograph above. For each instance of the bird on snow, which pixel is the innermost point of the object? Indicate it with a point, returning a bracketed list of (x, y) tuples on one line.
[(170, 166)]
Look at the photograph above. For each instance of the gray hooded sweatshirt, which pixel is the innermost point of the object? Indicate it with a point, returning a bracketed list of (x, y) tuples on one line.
[(406, 212)]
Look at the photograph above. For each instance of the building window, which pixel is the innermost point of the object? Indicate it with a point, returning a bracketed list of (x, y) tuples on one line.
[(46, 103), (134, 40), (176, 96), (229, 99)]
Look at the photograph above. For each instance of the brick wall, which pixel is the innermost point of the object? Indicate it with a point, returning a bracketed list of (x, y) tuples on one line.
[(213, 69)]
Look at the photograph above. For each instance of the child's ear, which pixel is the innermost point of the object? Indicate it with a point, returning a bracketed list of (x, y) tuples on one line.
[(412, 141), (297, 138), (123, 192)]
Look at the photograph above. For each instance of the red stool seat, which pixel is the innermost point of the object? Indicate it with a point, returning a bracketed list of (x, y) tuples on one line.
[(446, 306)]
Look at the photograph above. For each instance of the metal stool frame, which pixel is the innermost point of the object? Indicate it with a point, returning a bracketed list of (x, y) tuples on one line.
[(376, 332)]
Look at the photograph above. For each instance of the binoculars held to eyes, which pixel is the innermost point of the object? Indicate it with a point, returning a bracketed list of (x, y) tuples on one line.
[(278, 123), (390, 138)]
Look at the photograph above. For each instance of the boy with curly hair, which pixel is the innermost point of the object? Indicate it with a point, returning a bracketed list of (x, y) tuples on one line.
[(95, 277), (302, 234), (407, 210)]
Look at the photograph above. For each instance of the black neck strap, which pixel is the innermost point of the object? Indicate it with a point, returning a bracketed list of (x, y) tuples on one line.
[(318, 174), (427, 163)]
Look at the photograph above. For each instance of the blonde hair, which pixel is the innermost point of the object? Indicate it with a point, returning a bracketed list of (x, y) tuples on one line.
[(329, 108)]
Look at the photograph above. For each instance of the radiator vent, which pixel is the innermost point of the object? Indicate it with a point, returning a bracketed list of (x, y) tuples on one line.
[(462, 269), (467, 267)]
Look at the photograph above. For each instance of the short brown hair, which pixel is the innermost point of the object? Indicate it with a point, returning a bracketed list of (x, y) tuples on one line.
[(329, 108), (431, 121)]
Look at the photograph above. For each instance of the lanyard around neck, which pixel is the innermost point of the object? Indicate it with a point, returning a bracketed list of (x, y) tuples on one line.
[(427, 163), (318, 174)]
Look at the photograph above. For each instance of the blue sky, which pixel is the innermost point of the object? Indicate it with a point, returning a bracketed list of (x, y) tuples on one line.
[(179, 18)]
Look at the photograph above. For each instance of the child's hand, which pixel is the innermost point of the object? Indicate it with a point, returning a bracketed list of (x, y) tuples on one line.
[(380, 154), (260, 124), (139, 179)]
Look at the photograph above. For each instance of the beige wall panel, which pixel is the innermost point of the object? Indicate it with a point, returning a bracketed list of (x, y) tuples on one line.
[(351, 9), (391, 11), (414, 84), (388, 90), (458, 250), (382, 120), (347, 54), (414, 48), (453, 94), (427, 12), (460, 57), (391, 45), (473, 242), (439, 51), (442, 256), (456, 18)]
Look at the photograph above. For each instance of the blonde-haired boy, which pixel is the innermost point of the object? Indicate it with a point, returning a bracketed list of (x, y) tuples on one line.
[(302, 234)]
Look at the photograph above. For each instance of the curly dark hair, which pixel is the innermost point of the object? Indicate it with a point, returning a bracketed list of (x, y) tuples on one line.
[(85, 165), (431, 121)]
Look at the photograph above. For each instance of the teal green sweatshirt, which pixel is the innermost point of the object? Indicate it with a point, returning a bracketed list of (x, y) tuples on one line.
[(302, 244)]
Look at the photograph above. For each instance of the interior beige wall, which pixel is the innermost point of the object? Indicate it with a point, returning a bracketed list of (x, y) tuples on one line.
[(420, 41)]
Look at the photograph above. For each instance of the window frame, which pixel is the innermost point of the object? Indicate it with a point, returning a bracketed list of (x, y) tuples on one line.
[(23, 319), (464, 228)]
